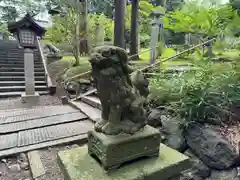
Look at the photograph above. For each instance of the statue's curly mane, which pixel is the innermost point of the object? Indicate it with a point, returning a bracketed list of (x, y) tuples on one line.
[(122, 97)]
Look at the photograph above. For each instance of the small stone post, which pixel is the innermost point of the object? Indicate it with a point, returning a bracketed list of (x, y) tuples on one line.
[(154, 36), (100, 34), (30, 95)]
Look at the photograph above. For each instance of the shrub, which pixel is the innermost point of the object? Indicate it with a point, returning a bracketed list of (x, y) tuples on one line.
[(77, 70), (202, 95)]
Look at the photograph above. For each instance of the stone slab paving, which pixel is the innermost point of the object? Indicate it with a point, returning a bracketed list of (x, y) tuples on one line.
[(28, 129), (79, 138), (8, 141), (36, 112), (41, 122), (40, 135)]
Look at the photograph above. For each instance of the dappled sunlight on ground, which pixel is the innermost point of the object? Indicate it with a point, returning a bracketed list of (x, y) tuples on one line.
[(232, 133)]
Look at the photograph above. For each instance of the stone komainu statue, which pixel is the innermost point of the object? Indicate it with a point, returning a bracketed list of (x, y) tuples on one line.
[(123, 96)]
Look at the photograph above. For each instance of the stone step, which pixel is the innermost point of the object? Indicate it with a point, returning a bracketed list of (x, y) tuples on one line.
[(18, 69), (21, 114), (20, 65), (20, 78), (12, 56), (92, 101), (21, 83), (17, 63), (17, 53), (20, 74), (19, 93), (9, 51), (20, 88), (41, 122), (93, 113), (16, 59)]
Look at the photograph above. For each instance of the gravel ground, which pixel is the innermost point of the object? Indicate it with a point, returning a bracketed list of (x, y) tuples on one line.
[(14, 168), (49, 160), (17, 168), (14, 103)]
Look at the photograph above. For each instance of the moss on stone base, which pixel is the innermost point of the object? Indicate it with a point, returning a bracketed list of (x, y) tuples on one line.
[(77, 164)]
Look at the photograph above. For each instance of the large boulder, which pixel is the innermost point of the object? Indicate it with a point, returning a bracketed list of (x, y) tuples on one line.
[(224, 175), (173, 131), (154, 117), (198, 170), (211, 147)]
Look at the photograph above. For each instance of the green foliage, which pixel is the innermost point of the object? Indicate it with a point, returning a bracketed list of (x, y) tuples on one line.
[(64, 27), (145, 10), (105, 23), (199, 19), (202, 95), (235, 4), (103, 6), (76, 70), (160, 48), (174, 4), (3, 28), (10, 10)]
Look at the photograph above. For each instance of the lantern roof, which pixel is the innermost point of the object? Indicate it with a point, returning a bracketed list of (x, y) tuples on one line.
[(27, 23)]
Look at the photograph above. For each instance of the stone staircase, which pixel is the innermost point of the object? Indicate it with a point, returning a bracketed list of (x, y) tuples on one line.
[(89, 104), (12, 80)]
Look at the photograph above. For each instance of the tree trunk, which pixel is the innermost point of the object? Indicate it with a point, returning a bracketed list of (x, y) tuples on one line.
[(84, 18), (120, 7), (134, 30)]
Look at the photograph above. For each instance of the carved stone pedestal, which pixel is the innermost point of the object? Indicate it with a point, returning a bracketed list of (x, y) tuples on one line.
[(77, 164), (113, 151)]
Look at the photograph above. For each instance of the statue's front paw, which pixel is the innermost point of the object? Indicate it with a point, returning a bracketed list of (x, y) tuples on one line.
[(99, 125), (111, 129)]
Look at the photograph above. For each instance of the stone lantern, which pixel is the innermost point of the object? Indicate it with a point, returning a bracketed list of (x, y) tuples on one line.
[(27, 31)]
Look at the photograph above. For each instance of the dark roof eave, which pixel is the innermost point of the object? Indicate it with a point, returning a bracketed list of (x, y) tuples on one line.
[(12, 27)]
